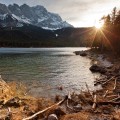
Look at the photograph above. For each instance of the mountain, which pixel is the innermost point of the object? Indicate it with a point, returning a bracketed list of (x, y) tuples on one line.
[(17, 16), (25, 26)]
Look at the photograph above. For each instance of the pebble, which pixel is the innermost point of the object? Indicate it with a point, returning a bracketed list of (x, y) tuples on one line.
[(52, 117), (77, 107)]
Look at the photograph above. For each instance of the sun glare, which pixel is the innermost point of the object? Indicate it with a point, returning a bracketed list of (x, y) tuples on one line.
[(98, 25)]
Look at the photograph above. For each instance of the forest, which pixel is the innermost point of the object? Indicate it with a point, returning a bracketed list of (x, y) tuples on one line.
[(108, 36)]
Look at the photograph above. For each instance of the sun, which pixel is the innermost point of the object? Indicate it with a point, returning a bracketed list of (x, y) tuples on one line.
[(98, 25)]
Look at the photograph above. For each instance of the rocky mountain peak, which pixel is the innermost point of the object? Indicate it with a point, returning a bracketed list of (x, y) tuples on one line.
[(4, 9), (36, 15)]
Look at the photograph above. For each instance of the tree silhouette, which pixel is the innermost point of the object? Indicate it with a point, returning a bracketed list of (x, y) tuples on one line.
[(108, 38)]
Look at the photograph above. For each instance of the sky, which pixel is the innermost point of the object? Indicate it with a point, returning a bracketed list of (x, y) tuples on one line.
[(79, 13)]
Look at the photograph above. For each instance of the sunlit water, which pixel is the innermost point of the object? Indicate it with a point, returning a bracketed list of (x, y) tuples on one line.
[(44, 70)]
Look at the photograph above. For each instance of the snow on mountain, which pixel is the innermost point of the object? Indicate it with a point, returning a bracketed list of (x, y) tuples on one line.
[(22, 19), (16, 15), (11, 20)]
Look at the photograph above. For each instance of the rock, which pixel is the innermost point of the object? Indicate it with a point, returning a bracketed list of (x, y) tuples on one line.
[(77, 52), (83, 54), (77, 107), (26, 108), (59, 111), (103, 70), (96, 68), (52, 117)]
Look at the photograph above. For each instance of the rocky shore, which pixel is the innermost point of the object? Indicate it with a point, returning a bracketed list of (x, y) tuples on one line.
[(103, 104)]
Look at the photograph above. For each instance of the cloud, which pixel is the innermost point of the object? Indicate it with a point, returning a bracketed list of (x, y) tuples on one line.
[(73, 10)]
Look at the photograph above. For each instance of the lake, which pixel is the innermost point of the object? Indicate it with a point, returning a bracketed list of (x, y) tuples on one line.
[(44, 70)]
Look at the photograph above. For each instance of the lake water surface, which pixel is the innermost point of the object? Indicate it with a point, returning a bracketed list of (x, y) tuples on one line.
[(43, 70)]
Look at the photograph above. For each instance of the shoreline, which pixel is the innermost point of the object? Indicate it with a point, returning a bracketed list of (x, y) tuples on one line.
[(87, 105)]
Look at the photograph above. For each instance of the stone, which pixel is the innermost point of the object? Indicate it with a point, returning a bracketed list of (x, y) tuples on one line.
[(83, 54), (77, 52), (59, 111), (77, 107), (96, 68), (52, 117), (103, 70)]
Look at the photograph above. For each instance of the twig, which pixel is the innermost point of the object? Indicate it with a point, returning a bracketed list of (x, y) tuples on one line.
[(114, 99), (9, 110), (108, 80), (87, 87), (115, 84), (42, 111), (89, 90), (105, 93), (110, 96), (69, 98), (9, 114), (94, 102)]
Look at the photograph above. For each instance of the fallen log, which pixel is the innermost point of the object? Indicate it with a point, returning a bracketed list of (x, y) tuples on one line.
[(46, 109)]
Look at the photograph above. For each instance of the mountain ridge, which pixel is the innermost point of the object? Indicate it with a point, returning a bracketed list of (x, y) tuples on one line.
[(36, 15)]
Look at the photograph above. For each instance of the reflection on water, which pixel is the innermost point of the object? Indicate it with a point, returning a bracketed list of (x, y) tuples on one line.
[(43, 70)]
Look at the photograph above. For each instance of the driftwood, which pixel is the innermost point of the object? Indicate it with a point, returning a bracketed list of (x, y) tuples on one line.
[(99, 81), (89, 91), (73, 108), (87, 87), (105, 103), (69, 98), (110, 96), (115, 84), (94, 102), (46, 109), (108, 80), (105, 93), (9, 110), (114, 99)]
